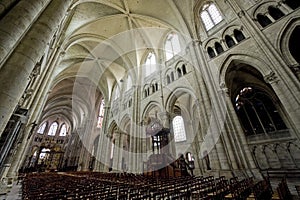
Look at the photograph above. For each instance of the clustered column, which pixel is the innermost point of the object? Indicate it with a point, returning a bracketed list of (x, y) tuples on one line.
[(14, 73)]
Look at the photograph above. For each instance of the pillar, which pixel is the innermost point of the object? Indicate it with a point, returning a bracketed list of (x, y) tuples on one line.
[(117, 149), (15, 72), (16, 23)]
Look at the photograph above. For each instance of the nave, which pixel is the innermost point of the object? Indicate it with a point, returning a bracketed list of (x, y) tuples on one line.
[(98, 185)]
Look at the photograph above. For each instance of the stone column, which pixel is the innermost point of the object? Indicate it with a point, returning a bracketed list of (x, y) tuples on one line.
[(103, 152), (214, 135), (116, 155), (239, 153), (16, 24), (36, 108), (203, 102), (15, 72)]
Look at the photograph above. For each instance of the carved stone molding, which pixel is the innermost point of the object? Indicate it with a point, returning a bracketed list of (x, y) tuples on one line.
[(223, 88), (271, 78), (241, 14)]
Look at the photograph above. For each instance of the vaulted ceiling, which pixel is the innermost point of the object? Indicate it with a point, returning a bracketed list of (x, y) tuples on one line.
[(104, 40)]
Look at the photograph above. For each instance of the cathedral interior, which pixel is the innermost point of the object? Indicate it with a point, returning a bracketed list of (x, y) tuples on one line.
[(140, 87)]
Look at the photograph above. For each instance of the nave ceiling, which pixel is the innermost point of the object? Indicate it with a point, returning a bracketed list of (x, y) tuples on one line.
[(105, 40)]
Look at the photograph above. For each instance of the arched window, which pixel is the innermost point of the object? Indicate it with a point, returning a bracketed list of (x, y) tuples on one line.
[(210, 16), (179, 130), (294, 44), (276, 13), (263, 20), (150, 64), (179, 72), (172, 46), (229, 41), (189, 156), (257, 112), (42, 128), (53, 129), (116, 92), (211, 52), (44, 155), (239, 36), (219, 48), (63, 130), (130, 103), (292, 4), (101, 114), (172, 76), (168, 79), (153, 88), (129, 83), (183, 69)]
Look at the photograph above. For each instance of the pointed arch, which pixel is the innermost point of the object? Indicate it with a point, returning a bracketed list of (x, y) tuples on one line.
[(150, 64), (172, 45), (263, 20), (53, 129), (179, 129), (239, 36), (211, 52), (229, 41), (42, 128), (275, 13), (129, 83), (63, 130), (219, 48), (210, 15)]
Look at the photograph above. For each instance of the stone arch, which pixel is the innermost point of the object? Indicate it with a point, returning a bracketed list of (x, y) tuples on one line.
[(294, 149), (271, 156), (230, 30), (284, 156), (244, 58), (211, 42), (180, 103), (168, 76), (263, 8), (112, 125), (152, 109), (177, 92), (283, 40), (266, 115)]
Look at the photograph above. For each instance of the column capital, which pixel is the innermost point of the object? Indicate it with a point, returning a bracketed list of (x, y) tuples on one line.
[(271, 77), (223, 88), (241, 14)]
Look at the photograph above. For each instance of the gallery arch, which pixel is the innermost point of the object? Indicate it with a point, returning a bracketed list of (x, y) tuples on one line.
[(261, 116), (293, 41)]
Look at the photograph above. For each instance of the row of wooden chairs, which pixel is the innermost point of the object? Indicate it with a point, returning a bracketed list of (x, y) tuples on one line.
[(98, 185)]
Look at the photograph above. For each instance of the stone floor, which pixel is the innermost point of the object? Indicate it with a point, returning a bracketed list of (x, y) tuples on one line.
[(15, 193)]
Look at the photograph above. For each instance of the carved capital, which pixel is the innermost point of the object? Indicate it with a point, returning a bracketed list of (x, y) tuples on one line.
[(271, 78), (241, 14), (197, 42), (295, 68), (223, 88)]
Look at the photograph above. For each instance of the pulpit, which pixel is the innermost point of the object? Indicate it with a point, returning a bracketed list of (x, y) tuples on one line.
[(160, 163)]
